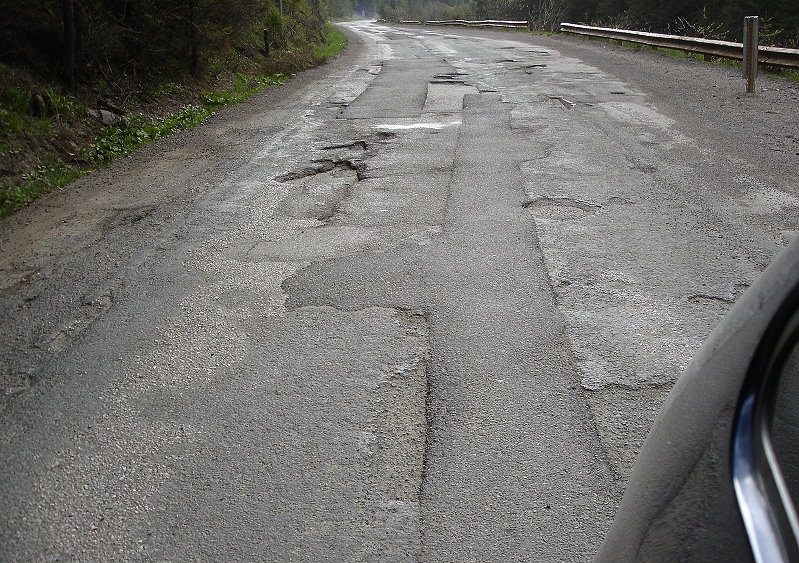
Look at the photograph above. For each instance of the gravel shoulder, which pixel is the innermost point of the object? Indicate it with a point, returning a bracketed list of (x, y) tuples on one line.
[(708, 100)]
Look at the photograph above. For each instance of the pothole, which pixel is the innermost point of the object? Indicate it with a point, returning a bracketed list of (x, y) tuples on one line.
[(317, 191), (452, 78), (722, 300), (639, 166), (322, 167), (702, 299), (616, 200), (530, 69), (561, 208), (354, 145), (562, 102)]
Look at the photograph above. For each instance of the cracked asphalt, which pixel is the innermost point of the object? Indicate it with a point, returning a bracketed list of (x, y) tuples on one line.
[(420, 304)]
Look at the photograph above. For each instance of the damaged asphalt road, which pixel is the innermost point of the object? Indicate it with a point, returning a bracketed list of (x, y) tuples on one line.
[(421, 304)]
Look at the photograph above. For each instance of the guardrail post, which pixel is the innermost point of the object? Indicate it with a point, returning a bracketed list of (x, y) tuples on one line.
[(751, 25)]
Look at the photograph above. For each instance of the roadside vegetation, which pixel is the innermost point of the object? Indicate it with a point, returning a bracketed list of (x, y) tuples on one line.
[(716, 19), (128, 73), (83, 82)]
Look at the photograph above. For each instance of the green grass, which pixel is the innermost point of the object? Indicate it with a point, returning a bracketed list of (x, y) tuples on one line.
[(792, 75), (51, 174), (335, 43), (18, 115), (167, 89), (117, 141)]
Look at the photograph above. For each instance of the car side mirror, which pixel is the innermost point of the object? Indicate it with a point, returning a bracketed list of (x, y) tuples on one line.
[(784, 424), (717, 478), (765, 453)]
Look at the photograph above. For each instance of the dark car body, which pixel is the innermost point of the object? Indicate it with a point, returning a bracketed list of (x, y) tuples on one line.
[(712, 481)]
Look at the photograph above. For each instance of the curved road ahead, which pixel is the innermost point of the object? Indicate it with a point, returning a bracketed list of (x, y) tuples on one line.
[(421, 304)]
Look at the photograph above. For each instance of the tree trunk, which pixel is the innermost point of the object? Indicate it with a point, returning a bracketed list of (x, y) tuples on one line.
[(195, 52), (69, 42)]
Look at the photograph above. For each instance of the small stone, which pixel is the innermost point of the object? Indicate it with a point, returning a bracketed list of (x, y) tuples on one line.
[(107, 118)]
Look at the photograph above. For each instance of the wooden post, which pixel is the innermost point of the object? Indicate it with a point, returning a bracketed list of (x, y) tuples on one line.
[(751, 25), (68, 7), (195, 49)]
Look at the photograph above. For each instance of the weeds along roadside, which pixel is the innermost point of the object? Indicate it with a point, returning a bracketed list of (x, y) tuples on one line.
[(49, 138)]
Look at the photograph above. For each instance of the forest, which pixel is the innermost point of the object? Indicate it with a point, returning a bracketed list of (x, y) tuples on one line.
[(83, 82), (717, 19), (91, 40)]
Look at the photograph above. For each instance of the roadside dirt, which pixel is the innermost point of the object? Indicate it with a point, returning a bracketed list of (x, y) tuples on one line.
[(50, 226), (47, 237)]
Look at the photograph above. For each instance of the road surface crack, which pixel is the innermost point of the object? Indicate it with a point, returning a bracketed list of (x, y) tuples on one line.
[(323, 166), (362, 145), (561, 208)]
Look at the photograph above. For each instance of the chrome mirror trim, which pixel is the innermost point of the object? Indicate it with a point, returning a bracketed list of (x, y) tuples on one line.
[(764, 501), (765, 536)]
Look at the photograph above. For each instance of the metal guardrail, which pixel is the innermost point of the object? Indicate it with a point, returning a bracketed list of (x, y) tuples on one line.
[(482, 23), (775, 56)]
